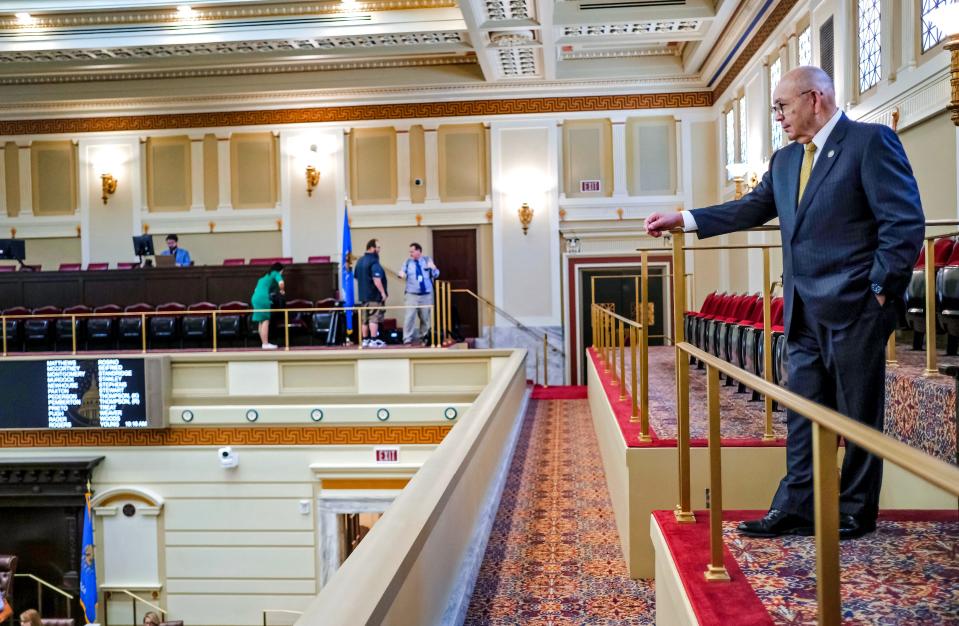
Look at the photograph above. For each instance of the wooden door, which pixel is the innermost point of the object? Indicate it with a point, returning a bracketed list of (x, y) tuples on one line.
[(454, 252)]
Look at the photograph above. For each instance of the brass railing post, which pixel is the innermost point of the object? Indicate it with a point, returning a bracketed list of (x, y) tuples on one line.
[(622, 359), (634, 392), (213, 329), (143, 332), (767, 345), (931, 309), (286, 329), (433, 318), (449, 310), (826, 503), (891, 350), (644, 351), (73, 333), (545, 360), (717, 569), (683, 512)]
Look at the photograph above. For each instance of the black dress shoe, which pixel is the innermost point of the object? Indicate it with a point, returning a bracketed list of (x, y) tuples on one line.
[(851, 527), (777, 523)]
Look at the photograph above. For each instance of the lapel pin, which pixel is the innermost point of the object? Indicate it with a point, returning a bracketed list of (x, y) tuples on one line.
[(831, 153)]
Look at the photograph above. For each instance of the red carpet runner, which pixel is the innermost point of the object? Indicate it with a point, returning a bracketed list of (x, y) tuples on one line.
[(554, 555)]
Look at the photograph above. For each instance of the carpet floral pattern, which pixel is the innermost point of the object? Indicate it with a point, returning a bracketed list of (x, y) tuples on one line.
[(879, 586), (554, 556)]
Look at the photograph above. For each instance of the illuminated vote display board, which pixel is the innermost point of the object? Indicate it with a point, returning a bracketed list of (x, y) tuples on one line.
[(80, 393)]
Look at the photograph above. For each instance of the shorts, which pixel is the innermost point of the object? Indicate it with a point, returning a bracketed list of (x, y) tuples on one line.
[(375, 313)]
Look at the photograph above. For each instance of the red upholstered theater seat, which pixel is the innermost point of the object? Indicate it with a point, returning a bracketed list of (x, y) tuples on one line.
[(130, 327), (69, 267), (234, 261), (66, 328), (8, 268), (197, 327), (58, 621), (15, 327), (166, 328), (916, 290), (38, 331), (262, 261), (102, 327), (318, 259), (97, 267), (229, 326), (127, 265)]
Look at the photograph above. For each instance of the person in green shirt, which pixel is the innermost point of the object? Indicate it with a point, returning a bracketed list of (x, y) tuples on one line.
[(266, 286)]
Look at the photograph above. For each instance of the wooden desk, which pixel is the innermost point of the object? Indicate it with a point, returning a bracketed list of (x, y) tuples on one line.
[(186, 285)]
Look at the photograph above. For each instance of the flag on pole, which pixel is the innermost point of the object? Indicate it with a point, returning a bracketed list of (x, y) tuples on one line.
[(88, 567), (349, 298)]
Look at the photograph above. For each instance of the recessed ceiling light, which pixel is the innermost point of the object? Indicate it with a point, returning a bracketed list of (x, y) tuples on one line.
[(186, 12), (25, 19)]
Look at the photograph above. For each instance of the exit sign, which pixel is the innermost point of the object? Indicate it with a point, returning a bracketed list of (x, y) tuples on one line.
[(387, 454), (589, 185)]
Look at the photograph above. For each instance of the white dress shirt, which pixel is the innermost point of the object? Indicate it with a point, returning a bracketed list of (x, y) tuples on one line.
[(689, 222)]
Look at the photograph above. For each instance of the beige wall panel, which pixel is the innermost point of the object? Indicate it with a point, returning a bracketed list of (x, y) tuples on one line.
[(651, 156), (484, 245), (53, 174), (212, 248), (373, 165), (50, 253), (211, 172), (240, 538), (235, 610), (241, 514), (382, 376), (448, 375), (395, 249), (417, 163), (931, 148), (169, 182), (253, 170), (111, 225), (198, 379), (242, 587), (588, 155), (11, 176), (318, 377), (462, 162), (253, 378), (226, 562), (238, 490), (705, 182)]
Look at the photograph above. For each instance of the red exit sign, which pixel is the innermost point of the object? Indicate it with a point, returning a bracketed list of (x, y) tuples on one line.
[(586, 186), (387, 454)]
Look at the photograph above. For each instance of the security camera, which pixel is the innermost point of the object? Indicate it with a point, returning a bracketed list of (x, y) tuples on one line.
[(228, 458), (417, 182)]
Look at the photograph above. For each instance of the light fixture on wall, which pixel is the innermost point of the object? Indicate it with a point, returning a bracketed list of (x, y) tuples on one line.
[(745, 180), (312, 179), (109, 186), (525, 217), (946, 19)]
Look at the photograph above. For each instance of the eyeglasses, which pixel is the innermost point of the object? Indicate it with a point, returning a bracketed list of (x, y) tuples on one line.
[(778, 108)]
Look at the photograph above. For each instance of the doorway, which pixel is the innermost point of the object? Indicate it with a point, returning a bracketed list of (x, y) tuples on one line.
[(619, 288), (454, 252)]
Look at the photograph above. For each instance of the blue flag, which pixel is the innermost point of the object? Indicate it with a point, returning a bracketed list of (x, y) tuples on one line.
[(346, 266), (88, 569)]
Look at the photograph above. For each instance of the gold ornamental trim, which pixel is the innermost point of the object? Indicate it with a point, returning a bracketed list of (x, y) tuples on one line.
[(367, 112), (236, 436)]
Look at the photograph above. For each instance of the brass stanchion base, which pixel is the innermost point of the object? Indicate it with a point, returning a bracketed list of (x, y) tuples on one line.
[(634, 419), (716, 574), (684, 517), (930, 373), (769, 437), (644, 439)]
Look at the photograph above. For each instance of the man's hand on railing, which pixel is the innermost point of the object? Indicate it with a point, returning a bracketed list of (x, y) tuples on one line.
[(658, 223)]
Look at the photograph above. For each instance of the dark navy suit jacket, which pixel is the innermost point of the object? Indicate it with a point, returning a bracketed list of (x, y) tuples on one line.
[(860, 221)]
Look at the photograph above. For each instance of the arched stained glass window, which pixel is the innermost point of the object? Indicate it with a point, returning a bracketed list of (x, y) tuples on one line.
[(870, 48), (741, 105), (730, 136), (805, 46), (931, 36), (776, 131)]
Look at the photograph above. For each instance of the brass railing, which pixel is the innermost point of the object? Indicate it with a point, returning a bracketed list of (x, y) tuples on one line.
[(827, 426), (41, 584), (214, 314), (930, 280), (134, 598), (609, 338)]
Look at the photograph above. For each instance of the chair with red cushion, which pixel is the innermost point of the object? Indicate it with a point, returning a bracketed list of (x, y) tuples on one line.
[(97, 267), (38, 331), (67, 329), (127, 265), (234, 261), (915, 296), (69, 267), (197, 327), (165, 328), (263, 261), (102, 327), (299, 320), (229, 326), (8, 268), (318, 259), (130, 326)]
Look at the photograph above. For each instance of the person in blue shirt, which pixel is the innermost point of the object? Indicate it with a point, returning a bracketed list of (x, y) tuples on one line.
[(371, 288), (5, 609), (180, 255), (419, 272)]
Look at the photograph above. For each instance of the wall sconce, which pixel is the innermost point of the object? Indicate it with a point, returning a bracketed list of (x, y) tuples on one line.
[(745, 180), (109, 186), (525, 216), (946, 19), (312, 179)]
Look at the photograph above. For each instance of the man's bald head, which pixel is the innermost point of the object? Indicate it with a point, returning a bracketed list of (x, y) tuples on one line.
[(805, 100), (810, 77)]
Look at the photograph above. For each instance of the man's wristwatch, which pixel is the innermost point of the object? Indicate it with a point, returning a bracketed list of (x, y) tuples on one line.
[(877, 289)]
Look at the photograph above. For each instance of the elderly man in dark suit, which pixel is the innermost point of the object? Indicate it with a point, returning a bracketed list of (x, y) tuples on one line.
[(852, 226)]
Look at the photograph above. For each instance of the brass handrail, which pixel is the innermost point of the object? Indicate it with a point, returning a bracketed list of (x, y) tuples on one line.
[(609, 339), (135, 598), (827, 426), (508, 317), (41, 584), (283, 611)]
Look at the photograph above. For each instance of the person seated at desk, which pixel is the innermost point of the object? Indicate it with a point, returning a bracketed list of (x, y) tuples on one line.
[(180, 256)]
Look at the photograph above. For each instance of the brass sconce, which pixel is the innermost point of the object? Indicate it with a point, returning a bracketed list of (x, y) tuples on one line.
[(525, 217), (745, 180), (312, 179), (946, 19), (109, 186)]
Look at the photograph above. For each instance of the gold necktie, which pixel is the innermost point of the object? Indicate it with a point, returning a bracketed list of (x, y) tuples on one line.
[(806, 169)]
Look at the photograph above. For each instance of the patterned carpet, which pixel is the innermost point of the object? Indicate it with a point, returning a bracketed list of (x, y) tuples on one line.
[(878, 585), (554, 555)]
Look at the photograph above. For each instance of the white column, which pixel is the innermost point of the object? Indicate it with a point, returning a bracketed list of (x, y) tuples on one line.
[(223, 169), (620, 188), (792, 52), (403, 165), (432, 165)]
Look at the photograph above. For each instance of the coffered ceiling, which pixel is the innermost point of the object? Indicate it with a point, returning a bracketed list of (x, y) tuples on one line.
[(63, 54)]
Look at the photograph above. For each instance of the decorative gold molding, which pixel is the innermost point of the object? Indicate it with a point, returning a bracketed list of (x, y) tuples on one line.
[(409, 110), (365, 483), (240, 436)]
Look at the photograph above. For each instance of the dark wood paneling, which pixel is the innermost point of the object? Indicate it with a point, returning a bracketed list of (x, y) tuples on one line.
[(454, 252), (217, 284)]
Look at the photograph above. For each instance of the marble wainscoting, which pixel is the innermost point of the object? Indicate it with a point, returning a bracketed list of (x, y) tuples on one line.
[(512, 337)]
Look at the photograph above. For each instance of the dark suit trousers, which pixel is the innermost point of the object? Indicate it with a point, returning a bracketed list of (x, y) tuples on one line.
[(844, 370)]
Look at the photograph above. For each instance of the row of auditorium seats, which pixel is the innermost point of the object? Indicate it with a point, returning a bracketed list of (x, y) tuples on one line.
[(730, 326), (186, 325), (129, 265), (946, 260)]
